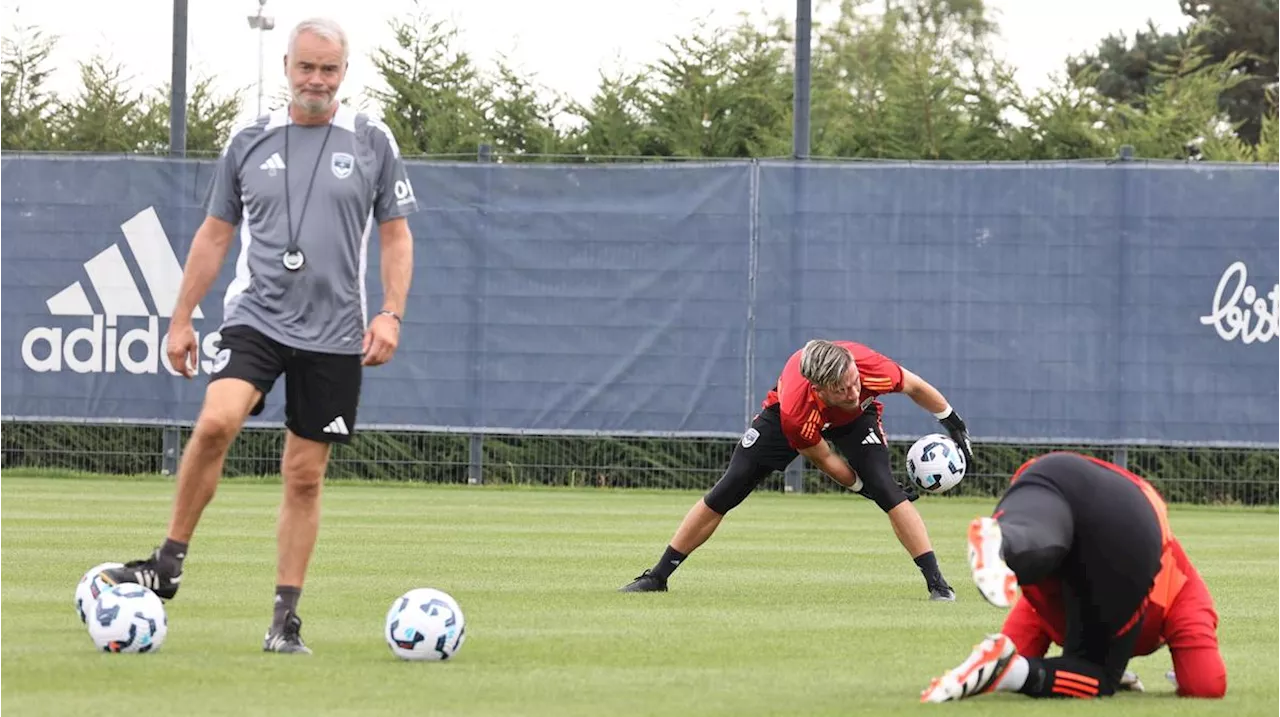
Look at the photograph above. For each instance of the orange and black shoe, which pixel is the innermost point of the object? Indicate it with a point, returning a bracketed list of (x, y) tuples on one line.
[(978, 674), (991, 574)]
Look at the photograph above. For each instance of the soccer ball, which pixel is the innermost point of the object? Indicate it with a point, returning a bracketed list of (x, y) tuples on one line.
[(127, 618), (935, 463), (91, 586), (425, 624)]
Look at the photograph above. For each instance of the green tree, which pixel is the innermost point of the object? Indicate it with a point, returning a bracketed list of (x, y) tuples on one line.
[(918, 81), (434, 100), (1125, 71), (105, 115), (718, 95), (27, 105), (1244, 31), (612, 123), (1062, 121), (1181, 118), (946, 93), (210, 118), (519, 121)]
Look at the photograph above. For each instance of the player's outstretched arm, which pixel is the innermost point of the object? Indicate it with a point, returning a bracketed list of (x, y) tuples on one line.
[(932, 400), (831, 463)]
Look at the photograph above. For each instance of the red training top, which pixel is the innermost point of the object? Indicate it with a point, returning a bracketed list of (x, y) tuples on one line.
[(805, 416)]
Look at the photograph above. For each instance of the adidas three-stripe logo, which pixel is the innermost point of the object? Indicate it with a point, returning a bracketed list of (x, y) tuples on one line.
[(150, 579), (112, 281), (337, 426), (273, 163), (872, 439)]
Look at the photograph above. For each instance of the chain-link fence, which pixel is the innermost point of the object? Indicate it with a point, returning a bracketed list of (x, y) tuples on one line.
[(1183, 474)]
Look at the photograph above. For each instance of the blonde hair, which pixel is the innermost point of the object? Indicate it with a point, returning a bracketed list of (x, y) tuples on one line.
[(320, 27), (824, 363)]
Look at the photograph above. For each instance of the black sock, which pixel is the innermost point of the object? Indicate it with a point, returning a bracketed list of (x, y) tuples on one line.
[(1038, 683), (928, 564), (286, 602), (172, 553), (671, 559)]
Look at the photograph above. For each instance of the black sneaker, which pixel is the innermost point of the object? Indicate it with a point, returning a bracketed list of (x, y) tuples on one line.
[(148, 573), (646, 583), (287, 639), (941, 592)]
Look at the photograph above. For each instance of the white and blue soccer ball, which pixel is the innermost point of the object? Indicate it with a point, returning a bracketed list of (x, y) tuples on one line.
[(935, 464), (92, 585), (127, 618), (425, 624)]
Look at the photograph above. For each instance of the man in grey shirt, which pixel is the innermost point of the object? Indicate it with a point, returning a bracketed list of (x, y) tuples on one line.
[(305, 185)]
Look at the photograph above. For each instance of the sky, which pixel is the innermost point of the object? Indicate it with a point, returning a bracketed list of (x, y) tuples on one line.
[(565, 43)]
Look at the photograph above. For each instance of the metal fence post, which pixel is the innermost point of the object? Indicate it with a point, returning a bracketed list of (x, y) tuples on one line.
[(800, 145), (171, 450), (795, 476), (178, 82), (1120, 456), (803, 63), (475, 460), (171, 441)]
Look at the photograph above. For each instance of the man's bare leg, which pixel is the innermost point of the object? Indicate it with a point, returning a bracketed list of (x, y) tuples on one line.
[(227, 403), (302, 466)]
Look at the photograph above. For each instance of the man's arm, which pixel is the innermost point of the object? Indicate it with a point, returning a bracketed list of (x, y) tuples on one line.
[(931, 399), (397, 264), (204, 261), (923, 393), (829, 462)]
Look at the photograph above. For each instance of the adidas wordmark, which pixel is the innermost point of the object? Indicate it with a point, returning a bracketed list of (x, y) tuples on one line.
[(107, 344)]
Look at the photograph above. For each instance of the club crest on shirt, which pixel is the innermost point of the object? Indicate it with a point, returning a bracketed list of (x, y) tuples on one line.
[(750, 437), (341, 164)]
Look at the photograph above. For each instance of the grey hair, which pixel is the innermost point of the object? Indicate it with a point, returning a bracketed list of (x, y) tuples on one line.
[(824, 363), (320, 27)]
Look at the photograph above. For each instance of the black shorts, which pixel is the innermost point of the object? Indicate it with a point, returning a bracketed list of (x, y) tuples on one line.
[(322, 390), (764, 449)]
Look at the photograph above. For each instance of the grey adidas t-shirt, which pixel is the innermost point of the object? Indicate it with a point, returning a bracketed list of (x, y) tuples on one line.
[(359, 179)]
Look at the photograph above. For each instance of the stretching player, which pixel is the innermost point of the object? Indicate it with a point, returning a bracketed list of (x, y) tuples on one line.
[(1101, 574), (827, 392)]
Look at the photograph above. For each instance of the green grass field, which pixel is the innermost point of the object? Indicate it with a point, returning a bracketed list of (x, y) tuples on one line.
[(800, 605)]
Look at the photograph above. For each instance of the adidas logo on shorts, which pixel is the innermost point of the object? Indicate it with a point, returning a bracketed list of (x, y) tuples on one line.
[(337, 426)]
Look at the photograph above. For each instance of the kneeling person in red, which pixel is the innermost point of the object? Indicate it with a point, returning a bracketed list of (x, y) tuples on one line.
[(1101, 575), (826, 396)]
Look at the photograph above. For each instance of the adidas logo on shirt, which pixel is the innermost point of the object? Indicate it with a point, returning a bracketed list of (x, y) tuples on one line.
[(337, 426), (273, 164), (109, 344), (872, 439)]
